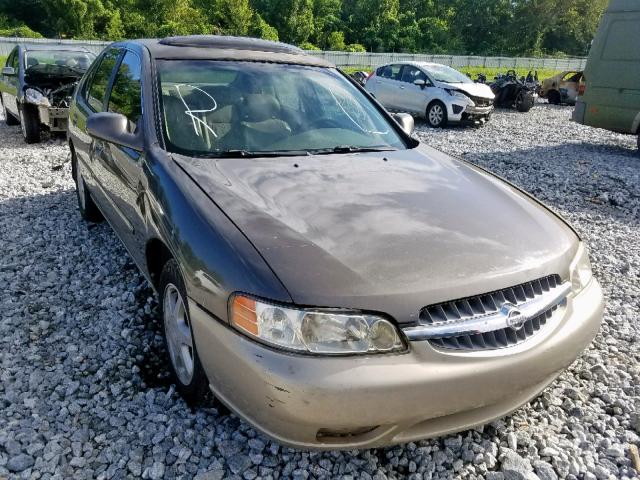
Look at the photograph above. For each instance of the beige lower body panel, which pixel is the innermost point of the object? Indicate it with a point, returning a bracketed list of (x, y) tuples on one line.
[(393, 398), (54, 118)]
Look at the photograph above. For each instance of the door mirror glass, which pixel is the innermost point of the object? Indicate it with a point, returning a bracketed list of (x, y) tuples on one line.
[(113, 128), (9, 71), (405, 121)]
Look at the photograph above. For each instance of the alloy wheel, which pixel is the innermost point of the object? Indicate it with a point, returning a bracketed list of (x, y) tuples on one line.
[(436, 114), (178, 334)]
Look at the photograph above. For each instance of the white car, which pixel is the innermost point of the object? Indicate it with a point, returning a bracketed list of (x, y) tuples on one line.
[(436, 92)]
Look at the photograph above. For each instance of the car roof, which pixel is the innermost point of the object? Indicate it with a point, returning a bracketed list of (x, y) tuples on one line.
[(218, 47), (416, 64), (55, 47)]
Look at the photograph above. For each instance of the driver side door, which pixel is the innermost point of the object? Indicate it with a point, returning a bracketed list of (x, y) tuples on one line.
[(414, 98)]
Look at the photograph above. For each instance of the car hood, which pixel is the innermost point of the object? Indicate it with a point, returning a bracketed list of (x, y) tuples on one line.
[(473, 89), (389, 231)]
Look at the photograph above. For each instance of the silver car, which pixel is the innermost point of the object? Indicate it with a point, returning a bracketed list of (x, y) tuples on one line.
[(436, 92)]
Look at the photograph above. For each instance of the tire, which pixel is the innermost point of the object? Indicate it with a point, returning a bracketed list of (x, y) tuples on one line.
[(89, 211), (30, 124), (524, 101), (184, 362), (9, 119), (436, 114), (554, 97)]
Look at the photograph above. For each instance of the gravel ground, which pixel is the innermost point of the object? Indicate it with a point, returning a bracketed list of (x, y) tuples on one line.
[(79, 396)]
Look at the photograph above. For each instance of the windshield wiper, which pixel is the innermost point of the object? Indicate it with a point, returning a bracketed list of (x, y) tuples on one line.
[(241, 153), (351, 149)]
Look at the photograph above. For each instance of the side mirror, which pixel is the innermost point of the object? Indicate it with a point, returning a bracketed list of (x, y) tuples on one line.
[(405, 121), (112, 127), (420, 83), (9, 71)]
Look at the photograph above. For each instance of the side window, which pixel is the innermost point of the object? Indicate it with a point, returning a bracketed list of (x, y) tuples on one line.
[(100, 80), (13, 61), (126, 97), (391, 72), (411, 74)]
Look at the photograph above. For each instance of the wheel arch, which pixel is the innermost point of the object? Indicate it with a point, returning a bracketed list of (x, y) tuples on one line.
[(157, 254)]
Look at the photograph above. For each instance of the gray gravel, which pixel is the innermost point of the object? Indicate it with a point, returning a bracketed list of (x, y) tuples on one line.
[(80, 394)]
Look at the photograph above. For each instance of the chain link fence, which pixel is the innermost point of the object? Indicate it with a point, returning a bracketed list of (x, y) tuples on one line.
[(363, 60)]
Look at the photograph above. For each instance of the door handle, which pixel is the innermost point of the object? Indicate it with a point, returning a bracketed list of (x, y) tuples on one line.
[(401, 87)]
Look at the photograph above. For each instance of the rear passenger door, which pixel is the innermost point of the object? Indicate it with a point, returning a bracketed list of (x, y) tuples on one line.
[(387, 82), (122, 166)]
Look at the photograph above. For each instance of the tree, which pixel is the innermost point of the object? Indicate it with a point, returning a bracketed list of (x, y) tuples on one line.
[(336, 41), (261, 29)]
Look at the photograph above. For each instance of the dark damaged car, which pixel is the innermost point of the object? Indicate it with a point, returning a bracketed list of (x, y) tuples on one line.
[(332, 280), (36, 86)]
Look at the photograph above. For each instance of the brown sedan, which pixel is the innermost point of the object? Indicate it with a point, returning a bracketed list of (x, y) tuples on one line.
[(332, 280)]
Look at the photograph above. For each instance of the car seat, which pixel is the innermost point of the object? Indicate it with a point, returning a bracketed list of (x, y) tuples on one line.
[(259, 122)]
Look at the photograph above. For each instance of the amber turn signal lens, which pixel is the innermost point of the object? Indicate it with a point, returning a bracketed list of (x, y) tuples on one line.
[(243, 314)]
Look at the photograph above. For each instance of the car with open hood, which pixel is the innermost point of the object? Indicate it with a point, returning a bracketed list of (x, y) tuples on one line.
[(36, 85), (436, 92), (332, 280)]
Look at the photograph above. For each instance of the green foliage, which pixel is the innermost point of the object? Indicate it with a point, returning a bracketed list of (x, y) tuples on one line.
[(308, 46), (355, 47), (471, 27), (336, 41), (21, 31)]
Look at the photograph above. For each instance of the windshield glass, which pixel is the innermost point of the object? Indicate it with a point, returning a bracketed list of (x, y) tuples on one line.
[(62, 58), (442, 73), (214, 107)]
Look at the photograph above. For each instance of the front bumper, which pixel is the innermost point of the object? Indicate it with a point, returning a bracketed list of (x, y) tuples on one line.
[(316, 402), (54, 117), (468, 113)]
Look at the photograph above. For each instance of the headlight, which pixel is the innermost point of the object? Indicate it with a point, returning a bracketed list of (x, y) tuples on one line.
[(457, 94), (314, 331), (580, 269)]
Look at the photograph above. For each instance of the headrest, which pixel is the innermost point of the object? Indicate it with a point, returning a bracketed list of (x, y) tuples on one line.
[(259, 107)]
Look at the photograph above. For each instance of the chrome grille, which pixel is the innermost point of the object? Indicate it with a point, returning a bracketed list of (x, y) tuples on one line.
[(483, 321)]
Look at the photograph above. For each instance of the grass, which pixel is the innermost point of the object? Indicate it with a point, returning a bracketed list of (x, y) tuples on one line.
[(474, 71)]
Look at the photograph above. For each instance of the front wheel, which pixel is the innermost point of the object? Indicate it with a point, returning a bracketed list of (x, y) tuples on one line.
[(185, 364), (524, 101), (30, 124), (436, 114), (554, 97)]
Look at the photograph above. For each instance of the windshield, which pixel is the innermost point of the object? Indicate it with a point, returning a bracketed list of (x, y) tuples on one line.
[(79, 61), (442, 73), (218, 107)]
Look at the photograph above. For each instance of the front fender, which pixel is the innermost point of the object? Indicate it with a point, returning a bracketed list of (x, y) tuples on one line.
[(215, 257)]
